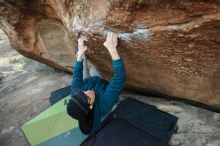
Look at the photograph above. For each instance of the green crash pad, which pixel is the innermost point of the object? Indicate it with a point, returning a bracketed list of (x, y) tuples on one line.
[(49, 124)]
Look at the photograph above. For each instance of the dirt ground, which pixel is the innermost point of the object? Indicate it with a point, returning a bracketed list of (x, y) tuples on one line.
[(24, 91), (25, 87)]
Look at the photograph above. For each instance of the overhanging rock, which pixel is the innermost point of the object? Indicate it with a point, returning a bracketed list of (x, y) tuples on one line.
[(172, 48)]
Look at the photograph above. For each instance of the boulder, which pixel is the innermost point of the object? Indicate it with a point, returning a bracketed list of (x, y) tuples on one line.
[(169, 48)]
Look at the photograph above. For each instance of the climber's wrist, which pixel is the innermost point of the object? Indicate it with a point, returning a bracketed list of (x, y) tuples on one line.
[(79, 56), (114, 55)]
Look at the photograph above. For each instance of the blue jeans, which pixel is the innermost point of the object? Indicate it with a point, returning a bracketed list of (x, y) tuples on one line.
[(92, 72)]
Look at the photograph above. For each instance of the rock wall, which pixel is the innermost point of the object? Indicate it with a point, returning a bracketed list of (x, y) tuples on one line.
[(169, 47)]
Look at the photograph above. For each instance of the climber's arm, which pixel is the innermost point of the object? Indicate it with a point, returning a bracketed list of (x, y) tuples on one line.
[(116, 84), (78, 67)]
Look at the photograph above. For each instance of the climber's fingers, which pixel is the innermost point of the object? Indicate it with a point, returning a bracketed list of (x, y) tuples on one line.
[(82, 39), (108, 36), (114, 36)]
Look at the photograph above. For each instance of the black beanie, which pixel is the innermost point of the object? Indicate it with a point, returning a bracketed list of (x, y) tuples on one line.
[(78, 108)]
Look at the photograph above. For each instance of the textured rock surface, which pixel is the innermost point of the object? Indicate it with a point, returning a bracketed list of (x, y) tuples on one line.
[(171, 48), (24, 93)]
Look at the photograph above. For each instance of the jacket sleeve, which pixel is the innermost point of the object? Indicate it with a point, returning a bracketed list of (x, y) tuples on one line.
[(77, 76), (115, 86)]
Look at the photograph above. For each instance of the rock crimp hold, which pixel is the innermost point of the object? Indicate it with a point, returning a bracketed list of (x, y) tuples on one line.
[(172, 48)]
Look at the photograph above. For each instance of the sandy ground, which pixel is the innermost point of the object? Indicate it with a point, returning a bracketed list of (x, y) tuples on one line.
[(25, 87)]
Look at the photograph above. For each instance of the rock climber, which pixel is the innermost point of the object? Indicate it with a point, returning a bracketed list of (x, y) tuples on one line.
[(93, 97)]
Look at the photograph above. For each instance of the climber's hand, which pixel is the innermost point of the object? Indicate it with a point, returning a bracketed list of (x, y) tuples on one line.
[(111, 44), (81, 46)]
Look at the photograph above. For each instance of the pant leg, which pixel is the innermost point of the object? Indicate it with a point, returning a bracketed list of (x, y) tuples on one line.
[(86, 73), (94, 72)]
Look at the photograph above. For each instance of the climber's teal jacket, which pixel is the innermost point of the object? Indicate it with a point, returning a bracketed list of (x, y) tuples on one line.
[(106, 92)]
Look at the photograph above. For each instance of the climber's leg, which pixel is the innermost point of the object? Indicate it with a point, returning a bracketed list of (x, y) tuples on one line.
[(86, 73), (94, 72)]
